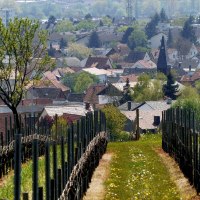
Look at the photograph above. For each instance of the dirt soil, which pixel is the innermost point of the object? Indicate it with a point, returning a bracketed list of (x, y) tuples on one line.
[(186, 190), (96, 190)]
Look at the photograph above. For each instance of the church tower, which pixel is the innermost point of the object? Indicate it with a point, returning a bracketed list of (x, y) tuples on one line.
[(162, 59)]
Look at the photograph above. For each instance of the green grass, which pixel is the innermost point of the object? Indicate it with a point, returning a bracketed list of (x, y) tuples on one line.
[(7, 188), (137, 172)]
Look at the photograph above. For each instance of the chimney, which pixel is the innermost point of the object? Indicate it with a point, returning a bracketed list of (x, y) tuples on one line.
[(129, 105), (190, 68), (156, 120), (87, 105)]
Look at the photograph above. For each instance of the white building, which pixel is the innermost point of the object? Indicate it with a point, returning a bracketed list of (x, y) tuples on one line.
[(6, 14)]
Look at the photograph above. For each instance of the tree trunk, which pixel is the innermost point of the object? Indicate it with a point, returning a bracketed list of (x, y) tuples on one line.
[(17, 124)]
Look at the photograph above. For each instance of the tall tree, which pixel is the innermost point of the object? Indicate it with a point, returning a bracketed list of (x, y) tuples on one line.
[(63, 43), (162, 59), (23, 57), (150, 28), (170, 41), (94, 41), (163, 16), (126, 35), (51, 20), (188, 31), (171, 88)]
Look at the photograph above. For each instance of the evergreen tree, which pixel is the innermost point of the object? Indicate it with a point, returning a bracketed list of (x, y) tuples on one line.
[(94, 41), (188, 31), (170, 41), (101, 23), (162, 59), (51, 20), (63, 43), (150, 28), (126, 35), (171, 88), (163, 16)]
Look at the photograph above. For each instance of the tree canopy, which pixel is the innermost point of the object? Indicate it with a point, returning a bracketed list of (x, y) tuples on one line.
[(115, 119), (79, 82), (150, 28), (137, 39), (126, 35), (94, 41), (79, 51), (148, 89), (22, 59), (171, 88), (188, 31)]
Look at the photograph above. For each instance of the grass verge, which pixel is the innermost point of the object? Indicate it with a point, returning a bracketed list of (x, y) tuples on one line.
[(7, 182), (137, 172)]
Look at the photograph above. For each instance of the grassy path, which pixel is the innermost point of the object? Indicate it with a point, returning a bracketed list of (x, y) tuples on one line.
[(137, 172)]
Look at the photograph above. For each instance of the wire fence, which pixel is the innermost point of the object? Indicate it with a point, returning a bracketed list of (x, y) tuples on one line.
[(61, 153)]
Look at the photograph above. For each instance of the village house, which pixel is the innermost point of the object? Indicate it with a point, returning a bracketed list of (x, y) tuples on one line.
[(100, 62), (141, 66), (101, 74), (150, 115), (154, 42)]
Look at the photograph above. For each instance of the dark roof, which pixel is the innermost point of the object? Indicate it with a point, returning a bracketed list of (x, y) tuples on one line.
[(188, 62), (110, 90), (113, 79), (74, 97), (50, 93), (134, 56), (91, 93), (99, 62), (134, 106)]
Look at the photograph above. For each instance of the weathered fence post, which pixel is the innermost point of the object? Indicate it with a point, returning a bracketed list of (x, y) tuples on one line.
[(35, 169), (47, 170), (138, 125), (17, 167)]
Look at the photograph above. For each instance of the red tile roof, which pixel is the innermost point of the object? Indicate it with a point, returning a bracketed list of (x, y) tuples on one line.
[(91, 93)]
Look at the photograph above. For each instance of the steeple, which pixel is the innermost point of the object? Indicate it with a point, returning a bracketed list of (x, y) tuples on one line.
[(162, 59)]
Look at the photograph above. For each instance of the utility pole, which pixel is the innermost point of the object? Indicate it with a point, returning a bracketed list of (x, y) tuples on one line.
[(129, 11)]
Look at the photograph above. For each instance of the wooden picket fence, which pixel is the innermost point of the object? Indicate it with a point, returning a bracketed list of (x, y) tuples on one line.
[(36, 140), (181, 139)]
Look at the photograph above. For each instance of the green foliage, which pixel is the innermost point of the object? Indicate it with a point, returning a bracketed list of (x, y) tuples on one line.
[(94, 41), (171, 88), (126, 35), (150, 28), (163, 16), (137, 39), (136, 170), (79, 51), (107, 21), (79, 82), (64, 26), (83, 81), (146, 85), (189, 100), (86, 25), (59, 127), (115, 120), (51, 21), (24, 58), (63, 43), (88, 16), (197, 86), (188, 31)]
